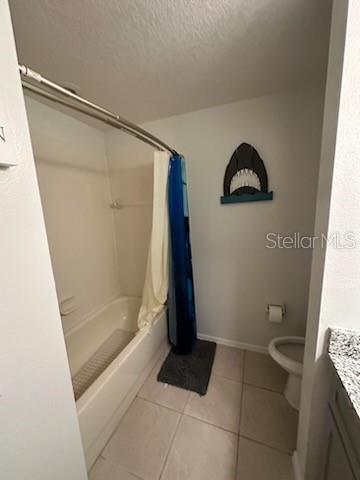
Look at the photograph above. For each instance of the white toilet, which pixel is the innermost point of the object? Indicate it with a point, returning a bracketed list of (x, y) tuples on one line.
[(288, 352)]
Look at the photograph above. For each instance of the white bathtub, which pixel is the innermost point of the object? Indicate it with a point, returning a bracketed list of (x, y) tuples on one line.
[(102, 405)]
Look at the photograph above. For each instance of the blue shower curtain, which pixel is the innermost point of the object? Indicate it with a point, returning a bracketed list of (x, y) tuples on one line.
[(181, 302)]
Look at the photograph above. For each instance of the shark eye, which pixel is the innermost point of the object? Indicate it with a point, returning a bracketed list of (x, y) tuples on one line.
[(245, 178)]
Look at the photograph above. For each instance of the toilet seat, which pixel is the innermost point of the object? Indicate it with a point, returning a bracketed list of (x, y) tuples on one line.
[(293, 366)]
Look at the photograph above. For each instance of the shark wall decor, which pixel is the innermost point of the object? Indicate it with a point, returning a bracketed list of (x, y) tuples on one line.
[(245, 177)]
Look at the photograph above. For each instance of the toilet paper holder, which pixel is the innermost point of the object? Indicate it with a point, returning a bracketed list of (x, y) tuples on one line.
[(283, 308)]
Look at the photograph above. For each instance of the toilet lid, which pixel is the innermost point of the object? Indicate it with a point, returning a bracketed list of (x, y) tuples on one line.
[(295, 351)]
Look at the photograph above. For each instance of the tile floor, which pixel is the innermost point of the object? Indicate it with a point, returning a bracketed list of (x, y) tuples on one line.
[(242, 429)]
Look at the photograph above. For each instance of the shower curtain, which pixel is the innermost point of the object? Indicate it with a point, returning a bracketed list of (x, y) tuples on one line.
[(181, 302), (170, 239), (157, 269)]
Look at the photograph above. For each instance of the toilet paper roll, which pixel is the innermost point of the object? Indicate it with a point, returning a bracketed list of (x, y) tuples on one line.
[(275, 313)]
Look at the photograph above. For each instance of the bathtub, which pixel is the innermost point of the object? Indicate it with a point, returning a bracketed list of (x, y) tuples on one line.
[(103, 403)]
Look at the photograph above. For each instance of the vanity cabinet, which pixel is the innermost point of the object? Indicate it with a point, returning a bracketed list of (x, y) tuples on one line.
[(343, 448), (337, 462)]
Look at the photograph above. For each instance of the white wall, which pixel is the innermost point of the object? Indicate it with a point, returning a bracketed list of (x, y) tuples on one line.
[(235, 275), (72, 171), (39, 433), (335, 274)]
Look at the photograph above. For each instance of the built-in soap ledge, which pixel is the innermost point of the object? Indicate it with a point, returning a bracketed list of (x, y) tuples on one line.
[(67, 306)]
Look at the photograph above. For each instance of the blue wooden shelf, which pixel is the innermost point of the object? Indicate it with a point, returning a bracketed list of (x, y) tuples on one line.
[(247, 197)]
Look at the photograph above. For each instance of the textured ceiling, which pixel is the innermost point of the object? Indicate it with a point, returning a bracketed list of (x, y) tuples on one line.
[(148, 59)]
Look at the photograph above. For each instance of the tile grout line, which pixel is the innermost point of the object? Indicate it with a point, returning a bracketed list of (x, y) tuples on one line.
[(263, 388), (276, 449), (160, 405), (140, 398), (241, 412), (241, 382), (242, 391), (186, 403), (162, 359), (213, 372), (113, 434), (211, 424), (118, 424), (271, 391), (285, 452), (171, 443), (226, 378), (117, 467), (182, 412)]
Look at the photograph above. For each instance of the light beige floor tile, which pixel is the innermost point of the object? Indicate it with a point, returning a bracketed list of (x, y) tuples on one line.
[(142, 439), (257, 462), (220, 406), (105, 470), (268, 418), (162, 394), (201, 452), (261, 370), (229, 362)]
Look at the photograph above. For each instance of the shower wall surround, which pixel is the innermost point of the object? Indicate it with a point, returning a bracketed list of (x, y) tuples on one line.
[(235, 275), (75, 193)]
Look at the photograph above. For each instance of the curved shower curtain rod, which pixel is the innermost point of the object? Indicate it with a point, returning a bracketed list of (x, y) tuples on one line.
[(89, 108)]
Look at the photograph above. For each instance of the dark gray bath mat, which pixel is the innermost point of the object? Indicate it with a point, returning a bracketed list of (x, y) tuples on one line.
[(192, 371)]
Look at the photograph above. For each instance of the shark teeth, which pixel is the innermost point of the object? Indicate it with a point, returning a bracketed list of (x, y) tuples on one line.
[(245, 178)]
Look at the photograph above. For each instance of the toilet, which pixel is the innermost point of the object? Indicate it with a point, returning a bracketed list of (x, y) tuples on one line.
[(288, 352)]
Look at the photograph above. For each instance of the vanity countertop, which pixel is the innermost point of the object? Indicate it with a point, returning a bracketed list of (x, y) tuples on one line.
[(344, 352)]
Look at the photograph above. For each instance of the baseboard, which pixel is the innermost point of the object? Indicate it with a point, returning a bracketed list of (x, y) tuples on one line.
[(296, 466), (233, 343)]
